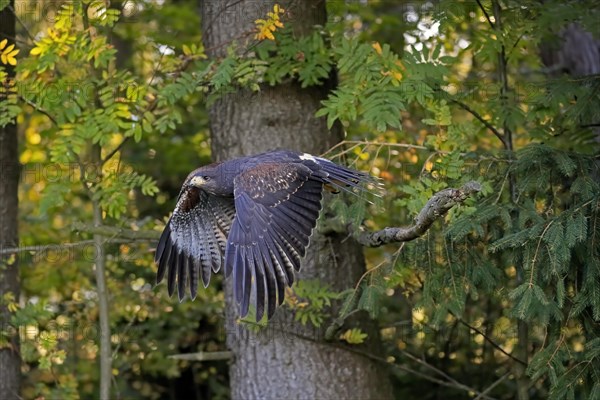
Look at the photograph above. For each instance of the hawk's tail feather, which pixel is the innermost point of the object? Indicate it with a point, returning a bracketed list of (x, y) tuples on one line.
[(343, 178)]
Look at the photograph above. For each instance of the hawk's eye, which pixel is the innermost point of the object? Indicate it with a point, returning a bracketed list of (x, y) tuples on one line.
[(206, 178)]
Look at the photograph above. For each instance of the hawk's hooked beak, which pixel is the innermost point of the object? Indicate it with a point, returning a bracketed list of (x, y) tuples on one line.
[(197, 181)]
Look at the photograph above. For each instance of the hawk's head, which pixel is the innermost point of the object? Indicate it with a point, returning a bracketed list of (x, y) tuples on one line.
[(207, 178)]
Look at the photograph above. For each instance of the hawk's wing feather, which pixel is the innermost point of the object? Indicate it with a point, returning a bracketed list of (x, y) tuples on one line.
[(163, 252), (277, 207), (193, 242), (278, 202)]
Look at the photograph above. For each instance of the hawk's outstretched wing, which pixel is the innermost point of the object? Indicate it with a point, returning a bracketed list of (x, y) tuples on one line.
[(277, 205), (193, 242)]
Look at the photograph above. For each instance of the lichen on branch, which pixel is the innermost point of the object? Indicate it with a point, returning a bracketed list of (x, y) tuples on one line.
[(437, 206)]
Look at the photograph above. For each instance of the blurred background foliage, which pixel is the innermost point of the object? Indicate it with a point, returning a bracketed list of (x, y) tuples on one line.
[(520, 260)]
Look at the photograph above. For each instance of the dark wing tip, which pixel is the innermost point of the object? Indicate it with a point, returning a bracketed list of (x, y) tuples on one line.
[(181, 276), (172, 266), (163, 250)]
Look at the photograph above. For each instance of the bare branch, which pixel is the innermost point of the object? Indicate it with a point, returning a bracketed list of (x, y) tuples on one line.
[(438, 371), (487, 16), (115, 232), (67, 245), (40, 109), (185, 63), (474, 113), (436, 207), (448, 381), (115, 150), (490, 341), (355, 143), (12, 10), (492, 386), (204, 356)]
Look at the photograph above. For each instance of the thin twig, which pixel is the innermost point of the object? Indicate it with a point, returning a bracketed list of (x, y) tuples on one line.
[(492, 386), (365, 142), (487, 16), (451, 382), (115, 150), (10, 7), (481, 119), (123, 333), (490, 341), (124, 233), (39, 109), (67, 245), (442, 374)]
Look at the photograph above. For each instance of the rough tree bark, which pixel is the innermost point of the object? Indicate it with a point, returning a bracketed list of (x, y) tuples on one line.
[(286, 359), (10, 360), (574, 52)]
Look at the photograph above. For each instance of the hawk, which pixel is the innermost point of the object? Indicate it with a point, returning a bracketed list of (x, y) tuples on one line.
[(252, 216)]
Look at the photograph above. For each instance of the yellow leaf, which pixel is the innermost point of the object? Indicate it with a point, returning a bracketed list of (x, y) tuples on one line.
[(7, 55), (12, 307), (354, 336), (186, 50), (377, 47)]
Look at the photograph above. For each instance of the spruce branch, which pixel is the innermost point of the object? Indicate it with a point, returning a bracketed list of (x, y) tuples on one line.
[(437, 206)]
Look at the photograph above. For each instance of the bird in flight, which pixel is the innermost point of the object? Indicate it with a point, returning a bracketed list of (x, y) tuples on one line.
[(253, 216)]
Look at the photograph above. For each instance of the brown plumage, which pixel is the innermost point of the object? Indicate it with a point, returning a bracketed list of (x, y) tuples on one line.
[(252, 215)]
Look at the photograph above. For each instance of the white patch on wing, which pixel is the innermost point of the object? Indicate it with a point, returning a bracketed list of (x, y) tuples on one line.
[(307, 156)]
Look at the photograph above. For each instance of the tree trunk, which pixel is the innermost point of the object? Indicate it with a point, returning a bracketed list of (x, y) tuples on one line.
[(10, 360), (574, 52), (287, 359)]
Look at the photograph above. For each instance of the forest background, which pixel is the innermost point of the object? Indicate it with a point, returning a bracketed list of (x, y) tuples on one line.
[(106, 107)]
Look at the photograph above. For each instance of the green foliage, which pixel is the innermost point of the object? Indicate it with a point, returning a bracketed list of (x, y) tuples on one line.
[(310, 300), (85, 123), (307, 58), (525, 253), (370, 299), (378, 87), (9, 108), (354, 336)]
